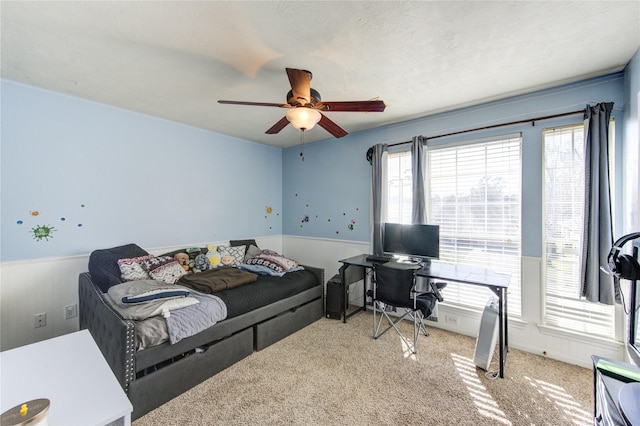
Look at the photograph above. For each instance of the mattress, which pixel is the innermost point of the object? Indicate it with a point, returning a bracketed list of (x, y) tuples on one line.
[(266, 290)]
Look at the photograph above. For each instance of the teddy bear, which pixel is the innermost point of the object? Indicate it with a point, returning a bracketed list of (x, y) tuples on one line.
[(183, 260)]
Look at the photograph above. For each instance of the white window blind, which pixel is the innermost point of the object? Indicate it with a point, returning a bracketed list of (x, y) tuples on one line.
[(399, 192), (474, 194), (563, 226)]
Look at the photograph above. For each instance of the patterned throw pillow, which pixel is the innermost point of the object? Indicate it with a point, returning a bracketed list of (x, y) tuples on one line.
[(252, 251), (236, 252), (274, 261), (131, 268), (164, 268)]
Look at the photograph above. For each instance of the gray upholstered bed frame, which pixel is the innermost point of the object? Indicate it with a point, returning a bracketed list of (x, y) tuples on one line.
[(153, 376)]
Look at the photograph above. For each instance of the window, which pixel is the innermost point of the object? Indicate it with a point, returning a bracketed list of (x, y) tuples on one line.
[(473, 193), (563, 227)]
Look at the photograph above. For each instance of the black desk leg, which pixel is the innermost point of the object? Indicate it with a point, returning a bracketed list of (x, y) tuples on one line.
[(345, 293), (350, 274)]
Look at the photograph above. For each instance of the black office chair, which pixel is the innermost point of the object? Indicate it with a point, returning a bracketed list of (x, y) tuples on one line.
[(394, 286)]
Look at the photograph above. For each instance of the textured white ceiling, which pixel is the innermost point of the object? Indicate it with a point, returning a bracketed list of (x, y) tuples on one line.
[(175, 59)]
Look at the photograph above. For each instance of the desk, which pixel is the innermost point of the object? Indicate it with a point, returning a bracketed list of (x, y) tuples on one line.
[(353, 269), (71, 372)]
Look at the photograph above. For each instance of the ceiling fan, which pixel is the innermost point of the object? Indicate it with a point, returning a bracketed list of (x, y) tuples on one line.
[(304, 106)]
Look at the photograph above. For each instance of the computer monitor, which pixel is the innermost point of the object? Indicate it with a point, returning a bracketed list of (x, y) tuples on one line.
[(417, 241)]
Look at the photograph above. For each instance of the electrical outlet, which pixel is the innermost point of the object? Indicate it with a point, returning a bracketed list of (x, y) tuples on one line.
[(40, 320), (70, 311), (450, 319)]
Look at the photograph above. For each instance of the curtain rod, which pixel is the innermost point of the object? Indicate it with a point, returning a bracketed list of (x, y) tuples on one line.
[(493, 126)]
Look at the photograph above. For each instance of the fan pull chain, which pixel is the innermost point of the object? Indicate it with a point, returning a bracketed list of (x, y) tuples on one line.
[(302, 145)]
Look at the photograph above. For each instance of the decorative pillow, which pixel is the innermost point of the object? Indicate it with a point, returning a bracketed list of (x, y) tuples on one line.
[(274, 261), (236, 252), (236, 243), (131, 268), (252, 251), (164, 268), (266, 263)]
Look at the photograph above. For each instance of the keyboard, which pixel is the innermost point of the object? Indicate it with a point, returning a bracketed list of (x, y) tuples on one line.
[(379, 259)]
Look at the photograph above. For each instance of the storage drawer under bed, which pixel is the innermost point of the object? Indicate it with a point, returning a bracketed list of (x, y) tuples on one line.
[(157, 388), (280, 326)]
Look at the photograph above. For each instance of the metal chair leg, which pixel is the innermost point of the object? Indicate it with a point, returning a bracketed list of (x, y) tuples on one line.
[(394, 324)]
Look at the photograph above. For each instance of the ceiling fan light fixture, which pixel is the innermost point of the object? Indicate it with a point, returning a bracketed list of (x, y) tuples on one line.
[(303, 118), (304, 106)]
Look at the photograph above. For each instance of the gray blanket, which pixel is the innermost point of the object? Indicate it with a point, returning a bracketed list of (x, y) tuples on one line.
[(183, 317), (191, 320)]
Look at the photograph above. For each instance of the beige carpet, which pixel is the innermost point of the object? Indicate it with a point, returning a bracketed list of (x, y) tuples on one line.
[(332, 373)]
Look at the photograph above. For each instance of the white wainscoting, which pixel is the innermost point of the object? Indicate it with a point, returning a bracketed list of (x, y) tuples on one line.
[(526, 333), (48, 285), (36, 286), (322, 252)]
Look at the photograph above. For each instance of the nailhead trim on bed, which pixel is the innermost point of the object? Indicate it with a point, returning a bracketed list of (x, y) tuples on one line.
[(130, 336)]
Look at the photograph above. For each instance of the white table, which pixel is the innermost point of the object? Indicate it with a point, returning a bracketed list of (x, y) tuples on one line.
[(71, 372)]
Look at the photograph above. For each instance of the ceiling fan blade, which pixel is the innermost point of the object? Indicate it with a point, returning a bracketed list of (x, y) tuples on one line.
[(331, 127), (353, 106), (278, 126), (300, 81), (268, 104)]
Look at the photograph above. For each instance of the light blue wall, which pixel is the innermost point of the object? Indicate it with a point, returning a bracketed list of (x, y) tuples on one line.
[(126, 177), (332, 185), (327, 194), (116, 177)]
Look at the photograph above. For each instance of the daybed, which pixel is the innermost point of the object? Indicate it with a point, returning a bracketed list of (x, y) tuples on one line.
[(259, 313)]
